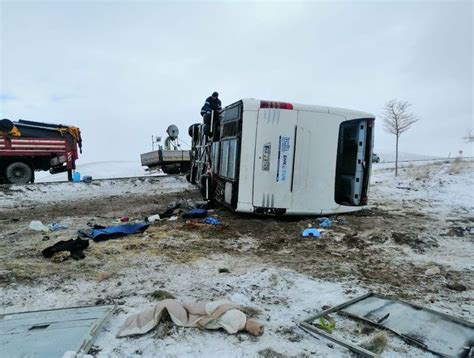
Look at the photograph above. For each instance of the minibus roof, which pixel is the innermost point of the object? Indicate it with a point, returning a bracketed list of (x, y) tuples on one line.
[(253, 104)]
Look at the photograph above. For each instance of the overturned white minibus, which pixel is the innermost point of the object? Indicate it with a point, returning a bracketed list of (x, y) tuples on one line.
[(282, 158)]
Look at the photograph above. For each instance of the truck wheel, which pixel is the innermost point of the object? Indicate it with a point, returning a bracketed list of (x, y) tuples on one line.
[(18, 173)]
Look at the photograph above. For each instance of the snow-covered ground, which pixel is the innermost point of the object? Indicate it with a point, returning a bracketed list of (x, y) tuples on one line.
[(284, 280), (17, 196), (99, 170), (441, 188), (403, 156)]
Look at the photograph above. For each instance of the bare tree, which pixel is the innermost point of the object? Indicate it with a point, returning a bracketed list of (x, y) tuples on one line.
[(397, 118)]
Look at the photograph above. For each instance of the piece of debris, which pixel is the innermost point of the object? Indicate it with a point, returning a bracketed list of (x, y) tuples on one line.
[(75, 247), (212, 220), (35, 333), (99, 233), (124, 219), (435, 332), (342, 221), (205, 315), (224, 270), (456, 286), (56, 226), (376, 344), (311, 232), (160, 295), (37, 225), (432, 271), (406, 188), (87, 179), (153, 218), (168, 213), (270, 353), (173, 218), (326, 323), (325, 222), (195, 213), (60, 256)]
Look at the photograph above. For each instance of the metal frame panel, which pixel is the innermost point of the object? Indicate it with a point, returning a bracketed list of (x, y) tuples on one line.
[(307, 326), (50, 333)]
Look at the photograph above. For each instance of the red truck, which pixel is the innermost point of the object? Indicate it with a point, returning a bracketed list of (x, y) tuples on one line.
[(27, 146)]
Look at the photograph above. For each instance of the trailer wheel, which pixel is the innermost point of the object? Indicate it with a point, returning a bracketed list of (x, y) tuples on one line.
[(19, 173)]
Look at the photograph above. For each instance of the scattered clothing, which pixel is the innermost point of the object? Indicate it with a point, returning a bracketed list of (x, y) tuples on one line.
[(74, 246), (60, 256), (37, 225), (325, 222), (153, 218), (181, 204), (342, 221), (56, 226), (99, 233), (211, 220), (169, 212), (205, 315), (195, 214), (311, 232)]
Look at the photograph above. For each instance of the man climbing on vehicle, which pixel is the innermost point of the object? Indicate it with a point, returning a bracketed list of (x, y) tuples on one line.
[(212, 103)]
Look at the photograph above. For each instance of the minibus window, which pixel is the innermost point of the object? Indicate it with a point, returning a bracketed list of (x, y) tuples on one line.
[(352, 166), (232, 158), (228, 158), (224, 158)]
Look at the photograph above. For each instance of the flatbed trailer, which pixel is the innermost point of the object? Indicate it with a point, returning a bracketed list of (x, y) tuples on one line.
[(39, 146), (170, 161)]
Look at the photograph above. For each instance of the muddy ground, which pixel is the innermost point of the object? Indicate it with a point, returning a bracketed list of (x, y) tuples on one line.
[(414, 242), (364, 247)]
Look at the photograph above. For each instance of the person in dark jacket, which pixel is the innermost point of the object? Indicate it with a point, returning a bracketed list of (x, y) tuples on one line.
[(212, 103)]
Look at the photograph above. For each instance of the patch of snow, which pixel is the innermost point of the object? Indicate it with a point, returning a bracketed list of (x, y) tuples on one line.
[(283, 296), (27, 195), (99, 170), (403, 156), (443, 189)]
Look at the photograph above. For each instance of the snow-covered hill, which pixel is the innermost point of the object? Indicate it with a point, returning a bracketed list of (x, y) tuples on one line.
[(402, 156)]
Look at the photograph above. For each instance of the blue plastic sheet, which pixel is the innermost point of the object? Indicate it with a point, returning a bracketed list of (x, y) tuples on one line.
[(211, 220), (113, 232), (325, 222), (195, 213), (311, 232)]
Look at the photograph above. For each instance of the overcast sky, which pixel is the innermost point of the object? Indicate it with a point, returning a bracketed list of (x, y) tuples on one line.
[(123, 71)]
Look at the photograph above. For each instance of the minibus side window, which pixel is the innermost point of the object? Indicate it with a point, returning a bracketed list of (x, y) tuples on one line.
[(228, 158)]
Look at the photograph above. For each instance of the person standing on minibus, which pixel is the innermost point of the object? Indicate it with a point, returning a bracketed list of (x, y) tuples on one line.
[(212, 103)]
